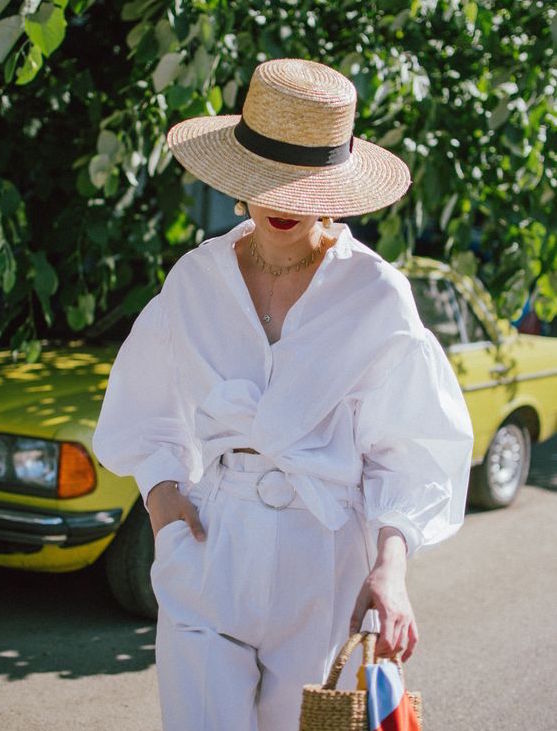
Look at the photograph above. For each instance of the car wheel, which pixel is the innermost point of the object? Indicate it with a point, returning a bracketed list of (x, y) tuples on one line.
[(495, 483), (128, 562)]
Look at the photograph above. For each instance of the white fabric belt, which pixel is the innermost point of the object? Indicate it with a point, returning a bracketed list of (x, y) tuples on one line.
[(268, 484)]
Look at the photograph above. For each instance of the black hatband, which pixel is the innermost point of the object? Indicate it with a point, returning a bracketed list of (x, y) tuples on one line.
[(288, 153)]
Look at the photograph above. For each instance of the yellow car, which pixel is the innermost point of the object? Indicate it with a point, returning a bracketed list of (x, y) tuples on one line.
[(61, 510), (509, 379)]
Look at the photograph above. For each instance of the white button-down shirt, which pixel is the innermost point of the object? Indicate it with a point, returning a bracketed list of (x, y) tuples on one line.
[(356, 391)]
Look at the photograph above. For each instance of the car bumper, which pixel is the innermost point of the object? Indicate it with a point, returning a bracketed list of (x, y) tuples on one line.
[(27, 531)]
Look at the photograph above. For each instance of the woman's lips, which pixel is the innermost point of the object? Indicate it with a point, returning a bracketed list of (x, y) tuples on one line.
[(282, 223)]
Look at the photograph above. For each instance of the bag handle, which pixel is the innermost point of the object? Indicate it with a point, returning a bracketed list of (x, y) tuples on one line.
[(369, 642)]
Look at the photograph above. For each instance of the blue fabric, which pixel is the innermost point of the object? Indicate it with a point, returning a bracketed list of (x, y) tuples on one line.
[(385, 691)]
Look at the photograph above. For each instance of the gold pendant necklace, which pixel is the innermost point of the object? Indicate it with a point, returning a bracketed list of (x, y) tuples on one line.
[(277, 270)]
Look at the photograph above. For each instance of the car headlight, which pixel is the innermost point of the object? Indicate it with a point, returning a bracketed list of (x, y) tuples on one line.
[(45, 467)]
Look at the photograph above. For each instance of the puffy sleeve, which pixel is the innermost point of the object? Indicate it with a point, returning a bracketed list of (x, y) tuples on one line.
[(415, 435), (142, 429)]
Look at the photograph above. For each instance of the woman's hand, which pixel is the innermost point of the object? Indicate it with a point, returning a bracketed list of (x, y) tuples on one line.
[(385, 590), (165, 504)]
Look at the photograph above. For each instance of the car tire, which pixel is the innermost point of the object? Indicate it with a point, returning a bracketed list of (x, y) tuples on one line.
[(496, 482), (128, 562)]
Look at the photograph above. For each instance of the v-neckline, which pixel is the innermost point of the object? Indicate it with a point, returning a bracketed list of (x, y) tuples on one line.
[(247, 294)]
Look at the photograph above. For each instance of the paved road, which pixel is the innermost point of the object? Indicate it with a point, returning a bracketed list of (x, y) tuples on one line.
[(485, 603)]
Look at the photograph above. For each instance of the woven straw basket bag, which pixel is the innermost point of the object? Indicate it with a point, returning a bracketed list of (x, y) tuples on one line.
[(326, 709)]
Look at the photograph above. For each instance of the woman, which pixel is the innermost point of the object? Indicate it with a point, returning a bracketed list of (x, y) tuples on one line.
[(295, 431)]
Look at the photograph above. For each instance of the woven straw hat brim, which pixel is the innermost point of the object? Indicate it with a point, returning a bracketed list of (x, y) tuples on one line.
[(370, 179)]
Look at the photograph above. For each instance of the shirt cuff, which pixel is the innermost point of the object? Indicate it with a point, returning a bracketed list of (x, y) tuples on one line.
[(412, 534), (161, 465)]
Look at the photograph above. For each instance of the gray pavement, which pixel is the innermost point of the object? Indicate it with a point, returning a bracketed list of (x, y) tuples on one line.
[(484, 602)]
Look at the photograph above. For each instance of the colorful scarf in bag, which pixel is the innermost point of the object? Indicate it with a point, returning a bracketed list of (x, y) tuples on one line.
[(389, 707)]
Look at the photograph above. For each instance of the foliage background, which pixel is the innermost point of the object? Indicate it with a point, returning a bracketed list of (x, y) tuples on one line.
[(93, 210)]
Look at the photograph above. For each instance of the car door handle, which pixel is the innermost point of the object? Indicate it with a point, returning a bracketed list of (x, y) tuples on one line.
[(500, 369)]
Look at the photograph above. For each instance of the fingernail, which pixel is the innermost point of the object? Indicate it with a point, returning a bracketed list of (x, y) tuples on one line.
[(200, 535)]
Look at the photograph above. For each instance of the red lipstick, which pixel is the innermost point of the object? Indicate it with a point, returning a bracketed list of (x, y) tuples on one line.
[(282, 223)]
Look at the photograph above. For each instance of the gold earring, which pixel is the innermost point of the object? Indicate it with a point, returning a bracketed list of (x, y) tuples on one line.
[(240, 208), (327, 221)]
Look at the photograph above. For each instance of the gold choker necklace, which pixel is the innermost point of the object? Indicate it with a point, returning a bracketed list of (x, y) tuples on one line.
[(277, 269)]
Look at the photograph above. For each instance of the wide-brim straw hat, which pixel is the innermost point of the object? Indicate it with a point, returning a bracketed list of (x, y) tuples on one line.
[(292, 149)]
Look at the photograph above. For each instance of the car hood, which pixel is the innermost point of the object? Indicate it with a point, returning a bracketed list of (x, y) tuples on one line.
[(60, 394)]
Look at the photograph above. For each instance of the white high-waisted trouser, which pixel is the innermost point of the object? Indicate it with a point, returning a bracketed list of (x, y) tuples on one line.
[(259, 609)]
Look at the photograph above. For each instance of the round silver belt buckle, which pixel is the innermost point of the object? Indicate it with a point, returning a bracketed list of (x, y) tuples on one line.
[(279, 506)]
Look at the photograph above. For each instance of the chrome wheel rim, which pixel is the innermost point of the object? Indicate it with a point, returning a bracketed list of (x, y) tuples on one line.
[(506, 461)]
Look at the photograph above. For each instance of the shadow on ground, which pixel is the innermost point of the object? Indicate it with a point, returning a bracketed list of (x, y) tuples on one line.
[(543, 469), (68, 624)]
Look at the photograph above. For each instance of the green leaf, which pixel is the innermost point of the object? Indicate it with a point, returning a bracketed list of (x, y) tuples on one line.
[(9, 198), (155, 155), (202, 63), (214, 100), (99, 169), (447, 211), (177, 96), (471, 12), (9, 67), (10, 30), (80, 6), (391, 249), (108, 144), (135, 10), (229, 93), (196, 108), (83, 313), (45, 280), (46, 28), (136, 34), (8, 264), (147, 49), (166, 38), (32, 350), (166, 70), (75, 318), (9, 276), (392, 137), (28, 7), (112, 183), (84, 185), (206, 32), (180, 230), (391, 242), (31, 66)]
